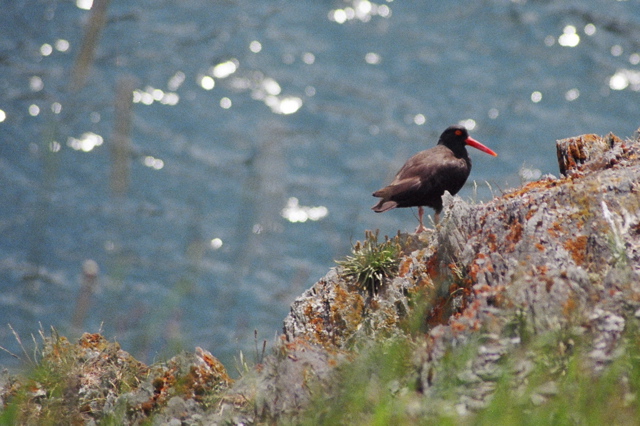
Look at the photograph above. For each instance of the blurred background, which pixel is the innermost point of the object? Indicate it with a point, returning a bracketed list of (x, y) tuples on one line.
[(175, 174)]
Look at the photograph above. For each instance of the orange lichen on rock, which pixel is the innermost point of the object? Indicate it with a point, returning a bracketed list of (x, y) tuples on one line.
[(569, 307), (514, 236), (471, 310), (188, 376), (492, 242), (347, 309), (479, 265), (541, 184), (575, 153), (457, 326), (405, 266), (555, 230), (577, 247), (94, 341)]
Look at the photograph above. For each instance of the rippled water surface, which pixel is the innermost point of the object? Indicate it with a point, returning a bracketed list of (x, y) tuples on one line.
[(257, 132)]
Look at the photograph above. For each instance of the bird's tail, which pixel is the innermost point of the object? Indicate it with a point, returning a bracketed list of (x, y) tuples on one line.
[(384, 205)]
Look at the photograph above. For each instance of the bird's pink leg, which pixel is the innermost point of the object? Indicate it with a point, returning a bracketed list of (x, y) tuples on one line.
[(420, 214)]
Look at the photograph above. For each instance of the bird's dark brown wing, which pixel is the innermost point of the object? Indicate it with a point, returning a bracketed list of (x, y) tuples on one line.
[(393, 192), (423, 179)]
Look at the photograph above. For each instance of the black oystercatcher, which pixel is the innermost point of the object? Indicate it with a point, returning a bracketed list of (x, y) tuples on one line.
[(425, 176)]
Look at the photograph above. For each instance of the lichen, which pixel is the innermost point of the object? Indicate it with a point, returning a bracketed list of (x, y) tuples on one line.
[(577, 247)]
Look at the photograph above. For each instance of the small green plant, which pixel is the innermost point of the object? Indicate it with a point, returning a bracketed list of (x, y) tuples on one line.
[(372, 262)]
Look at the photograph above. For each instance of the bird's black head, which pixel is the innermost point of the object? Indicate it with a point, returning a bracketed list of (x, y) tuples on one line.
[(456, 137)]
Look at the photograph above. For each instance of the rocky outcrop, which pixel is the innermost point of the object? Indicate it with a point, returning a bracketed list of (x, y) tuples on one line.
[(94, 381), (557, 257)]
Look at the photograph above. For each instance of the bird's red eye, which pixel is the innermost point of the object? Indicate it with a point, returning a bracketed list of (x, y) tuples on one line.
[(458, 132)]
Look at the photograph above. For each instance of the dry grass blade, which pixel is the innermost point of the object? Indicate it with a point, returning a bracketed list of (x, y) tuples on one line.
[(24, 350)]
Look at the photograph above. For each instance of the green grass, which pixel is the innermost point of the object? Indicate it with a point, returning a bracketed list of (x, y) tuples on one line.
[(379, 386), (367, 391), (371, 262)]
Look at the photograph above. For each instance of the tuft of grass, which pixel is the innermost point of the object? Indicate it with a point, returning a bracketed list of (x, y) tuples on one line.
[(42, 396), (372, 261)]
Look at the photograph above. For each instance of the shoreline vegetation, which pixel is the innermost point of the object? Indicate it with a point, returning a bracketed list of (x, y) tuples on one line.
[(521, 310)]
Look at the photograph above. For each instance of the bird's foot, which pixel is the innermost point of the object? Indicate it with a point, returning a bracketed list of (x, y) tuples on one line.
[(421, 228)]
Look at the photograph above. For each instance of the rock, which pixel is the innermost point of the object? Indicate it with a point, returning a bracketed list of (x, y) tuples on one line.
[(548, 254), (98, 380), (556, 262), (586, 151)]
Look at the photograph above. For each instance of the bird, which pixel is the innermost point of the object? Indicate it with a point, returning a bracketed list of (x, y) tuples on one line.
[(428, 174)]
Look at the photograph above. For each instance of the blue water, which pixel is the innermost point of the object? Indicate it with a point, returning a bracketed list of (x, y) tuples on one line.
[(259, 131)]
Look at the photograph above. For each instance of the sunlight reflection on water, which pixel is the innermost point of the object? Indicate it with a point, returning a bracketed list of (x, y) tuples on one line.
[(250, 123), (294, 212), (362, 10)]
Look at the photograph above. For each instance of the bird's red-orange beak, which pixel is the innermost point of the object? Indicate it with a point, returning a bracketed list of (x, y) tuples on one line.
[(477, 145)]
